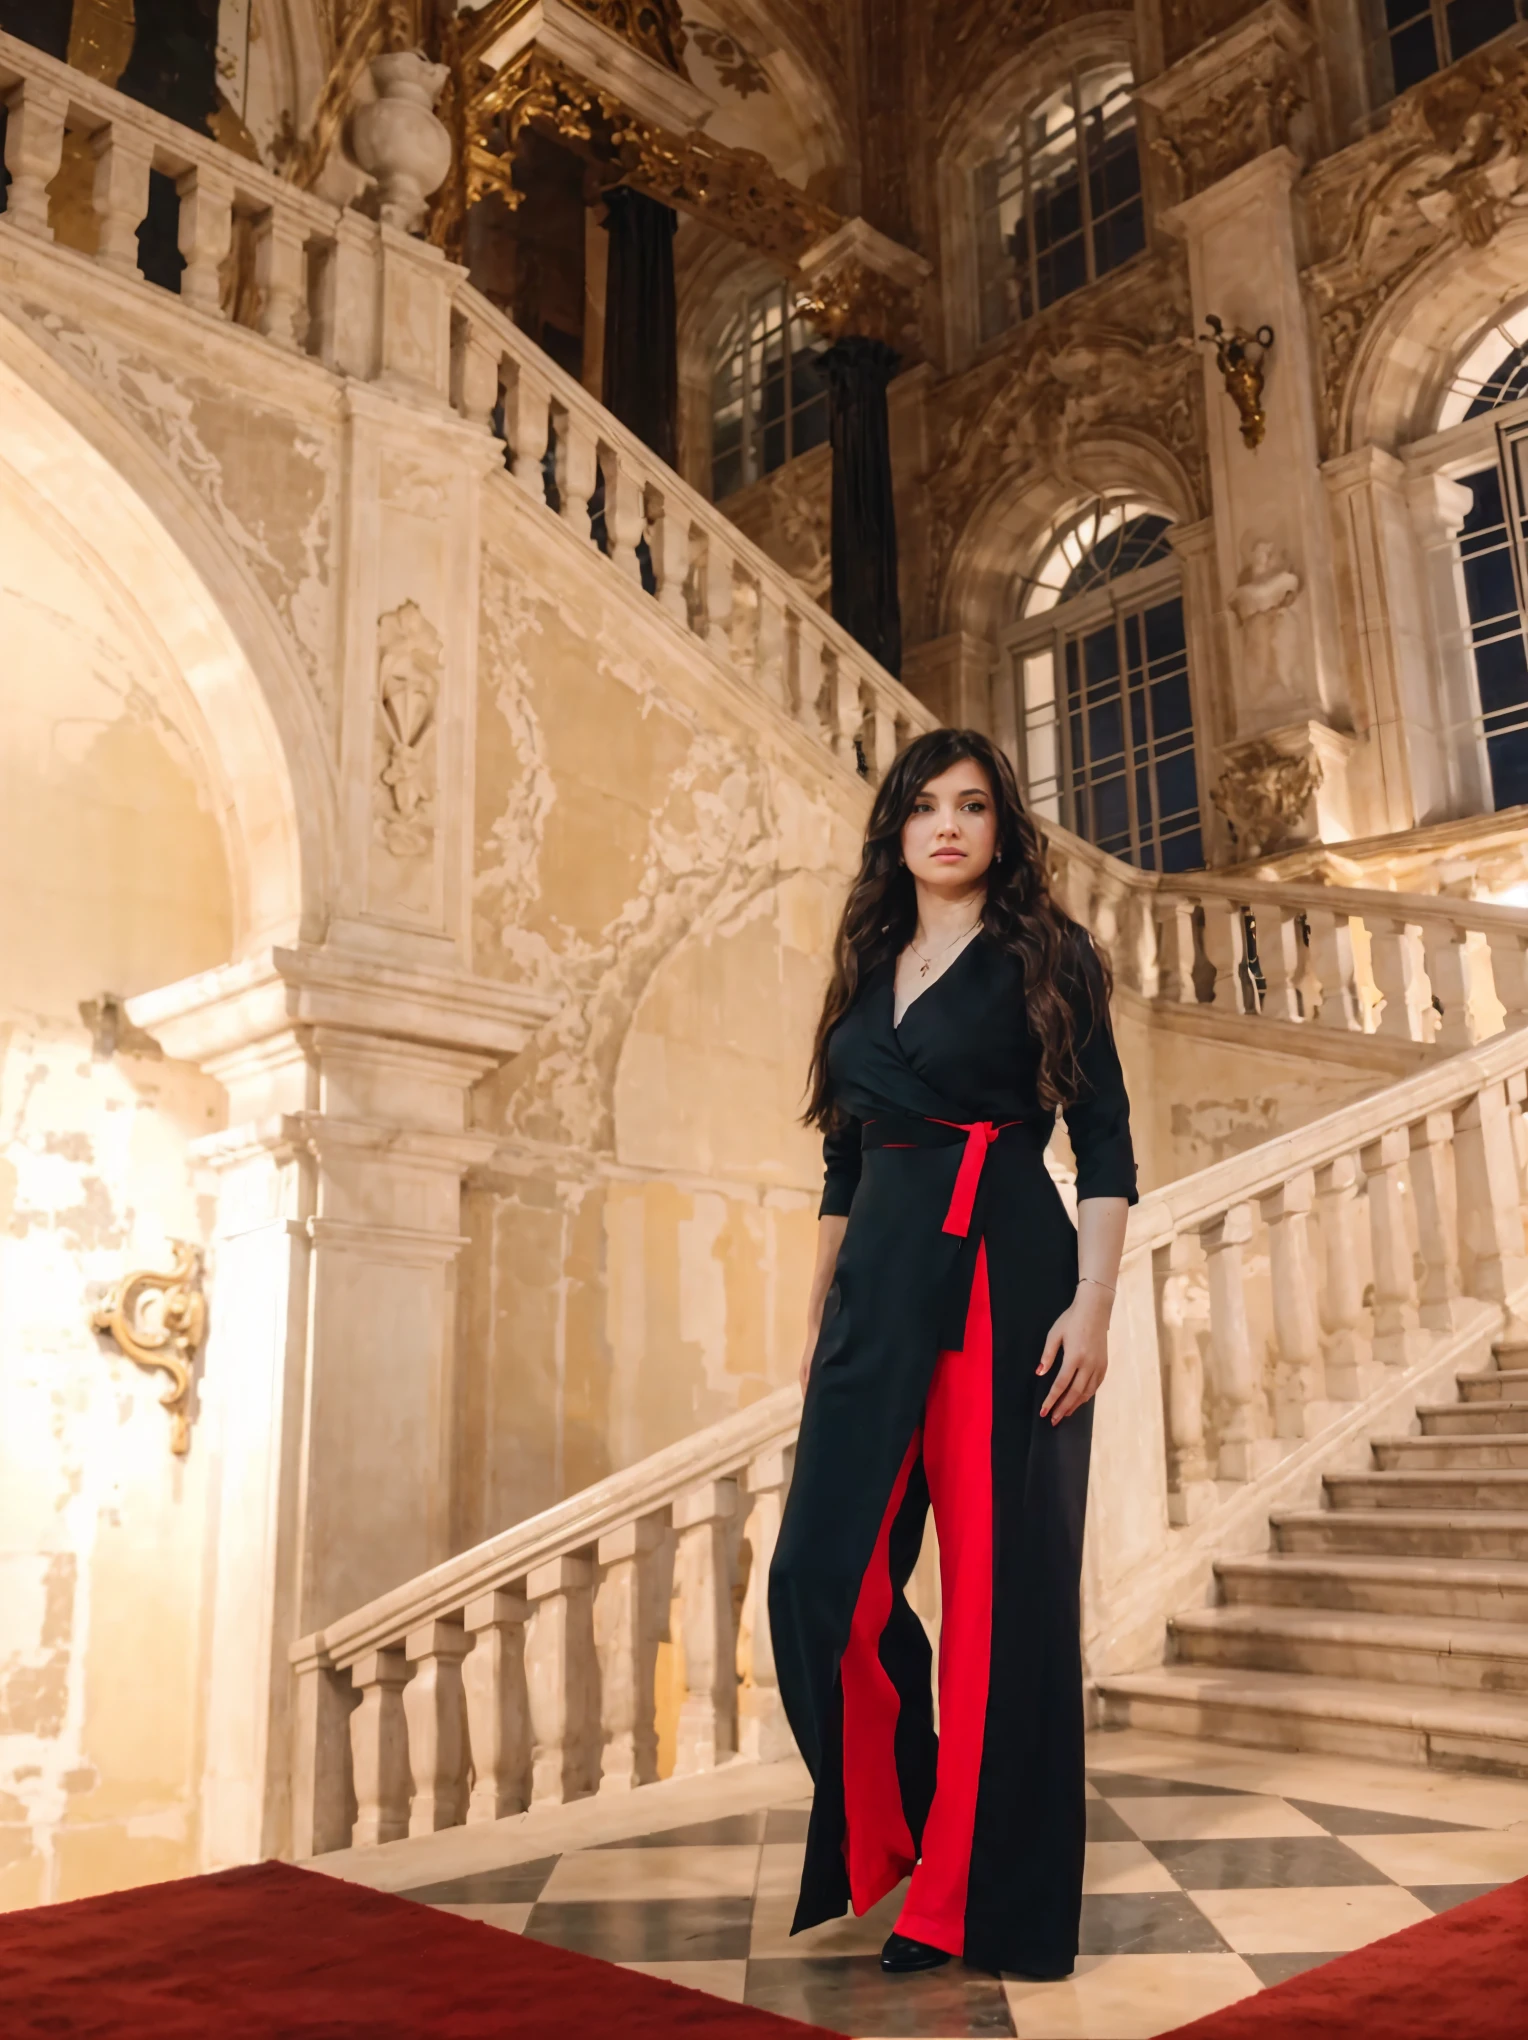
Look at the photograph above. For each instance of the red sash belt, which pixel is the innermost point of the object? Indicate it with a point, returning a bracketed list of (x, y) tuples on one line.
[(909, 1133)]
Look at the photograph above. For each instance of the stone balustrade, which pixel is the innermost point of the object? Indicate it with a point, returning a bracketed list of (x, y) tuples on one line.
[(567, 452), (524, 1672)]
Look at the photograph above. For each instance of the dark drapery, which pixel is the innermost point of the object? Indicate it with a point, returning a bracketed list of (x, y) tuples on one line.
[(641, 373), (864, 527)]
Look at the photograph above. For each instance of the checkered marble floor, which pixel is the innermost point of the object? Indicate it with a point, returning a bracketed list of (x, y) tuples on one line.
[(1211, 1873)]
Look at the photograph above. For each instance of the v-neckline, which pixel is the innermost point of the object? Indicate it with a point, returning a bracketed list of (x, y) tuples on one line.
[(954, 963)]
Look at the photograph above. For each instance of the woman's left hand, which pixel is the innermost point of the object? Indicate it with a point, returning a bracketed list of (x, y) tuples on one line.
[(1081, 1336)]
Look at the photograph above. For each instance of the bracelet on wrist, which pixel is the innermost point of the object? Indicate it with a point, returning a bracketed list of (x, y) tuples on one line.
[(1108, 1286)]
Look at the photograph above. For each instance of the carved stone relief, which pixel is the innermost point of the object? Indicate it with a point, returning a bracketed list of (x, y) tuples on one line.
[(409, 658), (1263, 794), (1263, 603), (1231, 101), (1452, 164)]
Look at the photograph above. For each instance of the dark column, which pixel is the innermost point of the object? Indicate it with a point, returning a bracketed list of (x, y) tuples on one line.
[(864, 528), (641, 374)]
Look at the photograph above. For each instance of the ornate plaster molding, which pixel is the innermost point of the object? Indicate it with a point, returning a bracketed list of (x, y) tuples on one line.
[(858, 280), (159, 1320), (1245, 92)]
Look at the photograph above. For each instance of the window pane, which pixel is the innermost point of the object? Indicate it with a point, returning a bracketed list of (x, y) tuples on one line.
[(1473, 22), (1413, 53)]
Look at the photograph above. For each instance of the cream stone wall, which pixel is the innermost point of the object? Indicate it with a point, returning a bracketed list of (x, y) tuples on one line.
[(112, 880)]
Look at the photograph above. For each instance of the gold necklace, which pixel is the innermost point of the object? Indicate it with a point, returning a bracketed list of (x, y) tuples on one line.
[(928, 962)]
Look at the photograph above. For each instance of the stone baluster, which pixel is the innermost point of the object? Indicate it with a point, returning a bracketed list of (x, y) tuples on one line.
[(630, 1620), (562, 1677), (1243, 1453), (1175, 951), (34, 148), (1489, 1198), (1435, 1196), (436, 1713), (1135, 958), (883, 737), (763, 1731), (1296, 1329), (498, 1712), (119, 194), (810, 674), (847, 714), (281, 277), (772, 649), (1280, 956), (527, 424), (1448, 974), (1225, 946), (719, 594), (379, 1748), (475, 360), (1331, 959), (668, 539), (1395, 960), (1183, 1314), (577, 470), (206, 233), (322, 1812), (1517, 1095), (624, 509), (1509, 973), (1396, 1322), (703, 1580), (1347, 1351)]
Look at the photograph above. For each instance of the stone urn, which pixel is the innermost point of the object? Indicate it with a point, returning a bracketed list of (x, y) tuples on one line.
[(397, 138)]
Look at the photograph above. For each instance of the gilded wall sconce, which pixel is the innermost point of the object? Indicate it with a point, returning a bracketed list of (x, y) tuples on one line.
[(158, 1321), (1240, 356)]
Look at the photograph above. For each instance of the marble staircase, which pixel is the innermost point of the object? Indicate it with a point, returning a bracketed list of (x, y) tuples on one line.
[(1393, 1622)]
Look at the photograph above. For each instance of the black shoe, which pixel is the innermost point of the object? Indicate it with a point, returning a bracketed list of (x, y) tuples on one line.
[(902, 1955)]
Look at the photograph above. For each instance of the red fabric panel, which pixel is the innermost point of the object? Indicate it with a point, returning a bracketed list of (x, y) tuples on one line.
[(272, 1951), (1460, 1976), (878, 1846), (957, 1456)]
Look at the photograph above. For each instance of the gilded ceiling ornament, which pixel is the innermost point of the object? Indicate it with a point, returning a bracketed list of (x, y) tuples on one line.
[(1240, 356), (857, 298), (655, 27), (159, 1321)]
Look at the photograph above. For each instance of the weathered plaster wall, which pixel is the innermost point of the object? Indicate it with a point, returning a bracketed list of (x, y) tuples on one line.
[(112, 879)]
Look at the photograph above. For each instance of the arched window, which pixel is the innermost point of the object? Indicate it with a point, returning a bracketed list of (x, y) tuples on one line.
[(1414, 38), (1098, 665), (769, 397), (1061, 204), (1482, 449)]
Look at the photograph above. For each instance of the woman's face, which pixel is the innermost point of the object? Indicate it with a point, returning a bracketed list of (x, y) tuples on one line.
[(949, 839)]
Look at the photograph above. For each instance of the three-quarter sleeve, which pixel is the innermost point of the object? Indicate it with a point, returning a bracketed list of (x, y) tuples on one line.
[(841, 1168), (1098, 1119)]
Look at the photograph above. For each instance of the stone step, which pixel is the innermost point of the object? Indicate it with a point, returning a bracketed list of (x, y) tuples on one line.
[(1473, 1419), (1345, 1717), (1471, 1657), (1493, 1386), (1510, 1355), (1453, 1588), (1403, 1533), (1493, 1452), (1458, 1490)]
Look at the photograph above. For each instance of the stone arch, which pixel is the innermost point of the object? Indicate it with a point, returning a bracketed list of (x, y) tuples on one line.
[(1005, 534), (1407, 355), (974, 131), (248, 711)]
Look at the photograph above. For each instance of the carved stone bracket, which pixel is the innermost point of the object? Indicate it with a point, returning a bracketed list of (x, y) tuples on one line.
[(159, 1321), (1241, 94), (858, 281), (1264, 794)]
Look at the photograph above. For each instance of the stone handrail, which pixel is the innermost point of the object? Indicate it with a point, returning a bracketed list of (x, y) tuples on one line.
[(1263, 1303), (568, 452)]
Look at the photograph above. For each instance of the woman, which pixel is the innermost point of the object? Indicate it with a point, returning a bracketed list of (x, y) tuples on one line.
[(964, 1008)]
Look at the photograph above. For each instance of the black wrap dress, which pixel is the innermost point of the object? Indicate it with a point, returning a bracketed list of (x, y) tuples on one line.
[(958, 1258)]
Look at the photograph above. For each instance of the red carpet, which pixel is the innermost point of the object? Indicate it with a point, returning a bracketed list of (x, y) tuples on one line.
[(1461, 1976), (277, 1952)]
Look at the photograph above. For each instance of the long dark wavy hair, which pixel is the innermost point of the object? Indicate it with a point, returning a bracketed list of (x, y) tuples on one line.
[(880, 917)]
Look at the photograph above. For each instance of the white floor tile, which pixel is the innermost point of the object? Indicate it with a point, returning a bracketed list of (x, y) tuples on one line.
[(1314, 1919), (1128, 1997), (1212, 1818), (694, 1872), (511, 1917), (716, 1979), (1482, 1858), (1123, 1866)]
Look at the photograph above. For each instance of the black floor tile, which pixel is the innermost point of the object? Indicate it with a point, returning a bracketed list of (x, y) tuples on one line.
[(787, 1824), (647, 1930), (1443, 1897), (1105, 1825), (1278, 1968), (850, 1994), (1125, 1785), (1146, 1923), (518, 1884), (737, 1828), (1357, 1820), (1263, 1861)]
